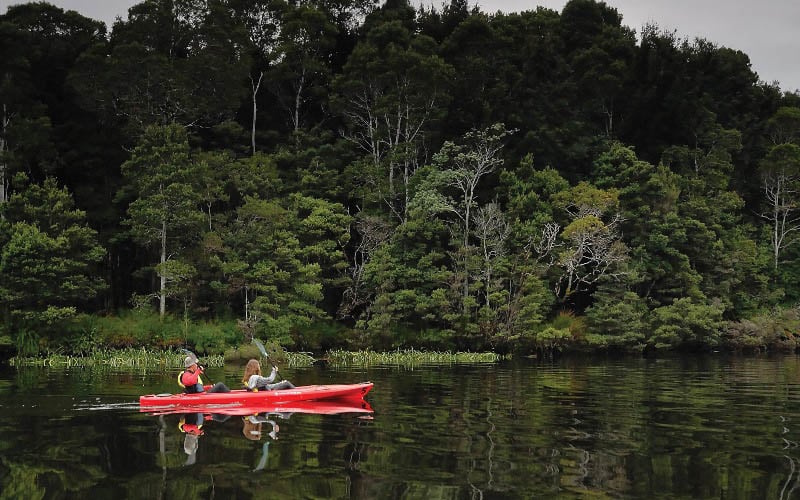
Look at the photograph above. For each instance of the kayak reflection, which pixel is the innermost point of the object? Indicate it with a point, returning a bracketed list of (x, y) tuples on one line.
[(192, 424), (257, 420), (252, 427)]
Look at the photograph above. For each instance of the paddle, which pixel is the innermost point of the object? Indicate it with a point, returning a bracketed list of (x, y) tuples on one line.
[(190, 353), (263, 351)]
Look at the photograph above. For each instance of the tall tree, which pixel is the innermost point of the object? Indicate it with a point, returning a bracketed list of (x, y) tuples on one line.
[(463, 167), (780, 179), (25, 129), (165, 209), (265, 260), (263, 24), (302, 68), (391, 90), (592, 248)]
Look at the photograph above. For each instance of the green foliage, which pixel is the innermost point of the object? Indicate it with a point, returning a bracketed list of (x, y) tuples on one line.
[(686, 323), (553, 339), (142, 329), (617, 318), (141, 359), (409, 358), (776, 330), (46, 261)]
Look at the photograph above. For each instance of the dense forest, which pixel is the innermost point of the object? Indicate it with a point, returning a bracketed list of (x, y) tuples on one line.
[(329, 172)]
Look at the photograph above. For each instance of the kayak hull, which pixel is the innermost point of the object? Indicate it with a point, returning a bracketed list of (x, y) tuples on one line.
[(322, 407), (243, 397)]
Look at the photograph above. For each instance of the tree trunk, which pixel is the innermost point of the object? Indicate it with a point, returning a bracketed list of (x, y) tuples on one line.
[(775, 243), (468, 202), (298, 99), (3, 148), (162, 306), (246, 304), (255, 86)]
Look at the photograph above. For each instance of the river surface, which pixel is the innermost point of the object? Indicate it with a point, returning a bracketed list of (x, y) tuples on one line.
[(698, 427)]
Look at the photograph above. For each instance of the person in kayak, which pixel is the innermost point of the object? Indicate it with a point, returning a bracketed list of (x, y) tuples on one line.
[(253, 380), (251, 427), (190, 379), (191, 424)]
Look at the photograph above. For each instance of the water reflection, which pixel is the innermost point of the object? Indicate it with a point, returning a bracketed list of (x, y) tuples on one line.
[(635, 428), (253, 418)]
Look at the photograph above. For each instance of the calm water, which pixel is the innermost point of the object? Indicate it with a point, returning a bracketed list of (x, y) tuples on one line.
[(711, 427)]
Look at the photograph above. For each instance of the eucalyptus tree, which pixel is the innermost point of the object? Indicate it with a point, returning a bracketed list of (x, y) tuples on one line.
[(461, 168), (390, 92), (780, 180), (165, 209), (491, 230), (305, 43), (590, 246), (263, 24)]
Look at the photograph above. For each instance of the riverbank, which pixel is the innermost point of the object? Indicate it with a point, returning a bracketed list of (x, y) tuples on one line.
[(145, 339)]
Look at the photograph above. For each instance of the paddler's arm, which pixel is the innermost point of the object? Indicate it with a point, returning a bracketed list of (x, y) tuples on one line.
[(190, 378), (272, 374), (257, 381)]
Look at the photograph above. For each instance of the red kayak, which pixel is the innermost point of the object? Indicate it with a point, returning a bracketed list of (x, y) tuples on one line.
[(251, 398), (324, 407)]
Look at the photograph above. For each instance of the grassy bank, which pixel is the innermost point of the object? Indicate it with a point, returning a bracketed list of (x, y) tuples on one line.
[(409, 357), (116, 358)]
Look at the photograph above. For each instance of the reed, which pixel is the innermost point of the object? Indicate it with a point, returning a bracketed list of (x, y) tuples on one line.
[(116, 358), (276, 353), (410, 357), (298, 359)]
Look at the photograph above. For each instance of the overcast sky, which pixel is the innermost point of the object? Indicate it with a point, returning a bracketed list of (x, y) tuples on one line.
[(767, 30)]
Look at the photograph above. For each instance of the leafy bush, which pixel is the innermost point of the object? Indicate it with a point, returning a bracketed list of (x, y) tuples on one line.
[(553, 338), (143, 329), (776, 330), (617, 321), (685, 323)]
